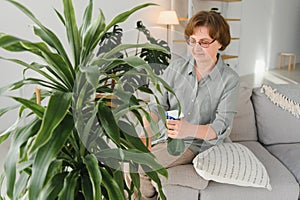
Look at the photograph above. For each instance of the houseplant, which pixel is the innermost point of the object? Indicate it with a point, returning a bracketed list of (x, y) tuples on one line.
[(157, 59), (73, 145)]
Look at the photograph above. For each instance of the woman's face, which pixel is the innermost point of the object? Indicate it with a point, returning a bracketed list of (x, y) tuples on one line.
[(200, 53)]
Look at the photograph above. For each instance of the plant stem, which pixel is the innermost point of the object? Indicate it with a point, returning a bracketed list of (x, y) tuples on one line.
[(137, 41)]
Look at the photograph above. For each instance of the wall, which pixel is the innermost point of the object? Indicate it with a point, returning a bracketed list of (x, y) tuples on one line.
[(268, 27), (12, 21)]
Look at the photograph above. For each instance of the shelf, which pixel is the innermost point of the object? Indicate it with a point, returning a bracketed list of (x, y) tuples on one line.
[(232, 19), (227, 57), (178, 40), (224, 0), (182, 19)]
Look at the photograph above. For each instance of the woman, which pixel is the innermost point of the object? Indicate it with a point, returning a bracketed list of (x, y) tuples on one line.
[(207, 91)]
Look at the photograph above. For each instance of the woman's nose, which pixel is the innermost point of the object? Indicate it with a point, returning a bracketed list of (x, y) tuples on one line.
[(198, 46)]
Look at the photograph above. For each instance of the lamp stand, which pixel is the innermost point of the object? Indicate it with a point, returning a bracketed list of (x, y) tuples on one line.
[(168, 29)]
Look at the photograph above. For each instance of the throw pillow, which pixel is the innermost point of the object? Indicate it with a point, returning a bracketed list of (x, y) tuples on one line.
[(243, 127), (232, 163), (277, 113)]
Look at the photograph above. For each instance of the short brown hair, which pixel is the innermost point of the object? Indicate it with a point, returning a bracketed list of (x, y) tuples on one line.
[(217, 26)]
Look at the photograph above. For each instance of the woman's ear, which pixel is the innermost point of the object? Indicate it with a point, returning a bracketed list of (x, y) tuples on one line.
[(219, 46)]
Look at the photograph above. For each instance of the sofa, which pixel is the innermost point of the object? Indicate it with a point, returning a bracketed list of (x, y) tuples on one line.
[(271, 133)]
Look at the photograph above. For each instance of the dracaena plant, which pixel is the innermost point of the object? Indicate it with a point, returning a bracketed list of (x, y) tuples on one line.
[(74, 144)]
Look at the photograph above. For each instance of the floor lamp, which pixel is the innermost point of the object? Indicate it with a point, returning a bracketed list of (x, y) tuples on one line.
[(168, 17)]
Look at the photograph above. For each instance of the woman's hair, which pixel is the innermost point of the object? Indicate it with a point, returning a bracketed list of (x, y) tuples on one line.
[(217, 26)]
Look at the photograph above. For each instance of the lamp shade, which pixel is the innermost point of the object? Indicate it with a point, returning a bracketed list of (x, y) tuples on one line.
[(167, 17)]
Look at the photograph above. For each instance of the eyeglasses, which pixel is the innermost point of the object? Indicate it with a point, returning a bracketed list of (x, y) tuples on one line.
[(203, 43)]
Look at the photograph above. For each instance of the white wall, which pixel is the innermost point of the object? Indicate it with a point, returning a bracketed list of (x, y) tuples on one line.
[(267, 28), (12, 21)]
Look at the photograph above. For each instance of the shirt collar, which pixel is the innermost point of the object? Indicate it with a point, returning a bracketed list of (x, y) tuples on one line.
[(216, 71)]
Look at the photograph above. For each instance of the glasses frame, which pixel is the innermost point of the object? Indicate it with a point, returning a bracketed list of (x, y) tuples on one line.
[(204, 45)]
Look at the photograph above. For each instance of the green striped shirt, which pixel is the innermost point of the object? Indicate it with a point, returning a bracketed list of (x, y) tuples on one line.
[(211, 101)]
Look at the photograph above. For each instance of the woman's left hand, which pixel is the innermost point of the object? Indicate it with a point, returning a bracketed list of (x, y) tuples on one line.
[(179, 128)]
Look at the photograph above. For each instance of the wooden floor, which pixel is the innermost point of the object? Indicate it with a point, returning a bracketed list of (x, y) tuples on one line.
[(282, 76)]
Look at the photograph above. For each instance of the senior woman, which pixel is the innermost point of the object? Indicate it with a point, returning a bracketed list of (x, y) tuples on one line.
[(207, 91)]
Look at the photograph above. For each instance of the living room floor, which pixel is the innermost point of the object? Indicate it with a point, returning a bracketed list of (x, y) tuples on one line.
[(277, 76)]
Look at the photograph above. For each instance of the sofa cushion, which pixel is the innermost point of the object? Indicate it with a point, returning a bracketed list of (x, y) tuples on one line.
[(289, 155), (232, 163), (184, 175), (244, 128), (274, 123), (284, 185), (178, 192)]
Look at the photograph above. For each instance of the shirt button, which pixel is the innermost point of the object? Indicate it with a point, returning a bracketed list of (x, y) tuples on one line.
[(192, 100), (189, 113)]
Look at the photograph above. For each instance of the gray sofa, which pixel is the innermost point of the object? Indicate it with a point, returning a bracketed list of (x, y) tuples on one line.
[(271, 133)]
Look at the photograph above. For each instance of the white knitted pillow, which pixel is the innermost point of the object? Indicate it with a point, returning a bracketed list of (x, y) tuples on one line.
[(232, 163)]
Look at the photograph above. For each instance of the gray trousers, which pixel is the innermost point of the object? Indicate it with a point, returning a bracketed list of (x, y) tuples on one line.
[(166, 160)]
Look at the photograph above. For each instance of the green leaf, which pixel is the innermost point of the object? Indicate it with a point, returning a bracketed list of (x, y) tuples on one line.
[(118, 176), (48, 37), (87, 18), (7, 109), (36, 108), (154, 176), (58, 106), (19, 138), (86, 185), (111, 40), (92, 166), (157, 60), (19, 84), (38, 68), (69, 188), (55, 167), (175, 146), (6, 133), (1, 183), (47, 153), (48, 34), (116, 20), (11, 43), (132, 155), (53, 187), (20, 188), (92, 75), (124, 16), (135, 177), (92, 36), (111, 186), (57, 63), (72, 30), (131, 136), (61, 18), (123, 47), (108, 123)]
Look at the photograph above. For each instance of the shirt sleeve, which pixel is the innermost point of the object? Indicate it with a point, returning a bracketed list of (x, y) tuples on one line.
[(226, 111), (162, 97)]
